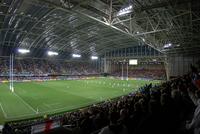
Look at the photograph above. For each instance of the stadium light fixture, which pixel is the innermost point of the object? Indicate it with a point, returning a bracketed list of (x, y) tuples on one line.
[(23, 51), (76, 55), (143, 39), (94, 57), (51, 53), (167, 45), (125, 10)]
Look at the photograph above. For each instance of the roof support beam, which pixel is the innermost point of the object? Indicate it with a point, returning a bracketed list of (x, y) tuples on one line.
[(86, 16), (162, 4)]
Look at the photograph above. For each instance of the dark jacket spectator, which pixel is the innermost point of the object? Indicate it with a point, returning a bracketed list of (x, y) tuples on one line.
[(114, 127), (195, 123)]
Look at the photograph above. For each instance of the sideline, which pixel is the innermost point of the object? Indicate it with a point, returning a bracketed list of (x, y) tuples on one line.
[(25, 103), (4, 113)]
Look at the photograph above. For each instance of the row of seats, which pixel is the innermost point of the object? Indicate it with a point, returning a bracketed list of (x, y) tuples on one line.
[(41, 67), (143, 73)]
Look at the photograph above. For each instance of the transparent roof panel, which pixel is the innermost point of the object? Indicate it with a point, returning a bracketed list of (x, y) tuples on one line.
[(90, 27)]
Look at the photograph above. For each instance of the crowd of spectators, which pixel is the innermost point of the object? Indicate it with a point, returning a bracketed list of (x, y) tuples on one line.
[(31, 67), (163, 109), (42, 67), (147, 71), (171, 107), (143, 73)]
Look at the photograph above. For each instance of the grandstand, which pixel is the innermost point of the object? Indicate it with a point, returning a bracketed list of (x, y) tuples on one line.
[(99, 66)]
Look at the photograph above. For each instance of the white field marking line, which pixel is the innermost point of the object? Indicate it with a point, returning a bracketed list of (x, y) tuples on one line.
[(58, 109), (25, 103), (66, 107), (44, 111), (52, 104), (46, 105), (26, 115), (4, 113), (66, 91), (90, 103), (20, 116), (62, 90)]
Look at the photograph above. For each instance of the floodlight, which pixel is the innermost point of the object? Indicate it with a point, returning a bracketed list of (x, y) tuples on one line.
[(51, 53), (23, 51), (125, 10), (94, 57), (167, 45), (143, 39), (133, 62), (76, 55)]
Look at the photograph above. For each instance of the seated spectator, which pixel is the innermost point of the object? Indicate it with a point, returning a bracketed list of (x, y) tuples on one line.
[(195, 122), (137, 117), (86, 125), (169, 119), (100, 120), (157, 110), (152, 123), (124, 118), (114, 127)]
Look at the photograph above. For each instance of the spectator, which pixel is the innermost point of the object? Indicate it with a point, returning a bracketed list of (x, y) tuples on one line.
[(160, 109), (195, 122), (114, 127)]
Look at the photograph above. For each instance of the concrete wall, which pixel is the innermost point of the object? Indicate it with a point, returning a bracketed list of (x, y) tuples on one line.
[(180, 65), (107, 65)]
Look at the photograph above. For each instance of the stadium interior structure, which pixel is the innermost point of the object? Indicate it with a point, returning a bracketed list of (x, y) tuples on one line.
[(98, 41)]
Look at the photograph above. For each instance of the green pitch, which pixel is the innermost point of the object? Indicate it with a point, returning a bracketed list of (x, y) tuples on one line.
[(34, 99)]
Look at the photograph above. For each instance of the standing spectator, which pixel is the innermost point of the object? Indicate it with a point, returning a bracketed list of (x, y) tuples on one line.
[(114, 127), (195, 123)]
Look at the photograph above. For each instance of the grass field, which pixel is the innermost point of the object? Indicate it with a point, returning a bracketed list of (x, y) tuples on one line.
[(33, 99)]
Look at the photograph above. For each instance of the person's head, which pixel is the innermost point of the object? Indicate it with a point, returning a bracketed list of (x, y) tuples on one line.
[(114, 116), (155, 95), (197, 93), (143, 104), (175, 94), (123, 113), (165, 99), (137, 106), (153, 106)]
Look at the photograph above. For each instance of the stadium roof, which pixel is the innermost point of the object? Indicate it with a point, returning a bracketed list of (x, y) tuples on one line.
[(95, 26)]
